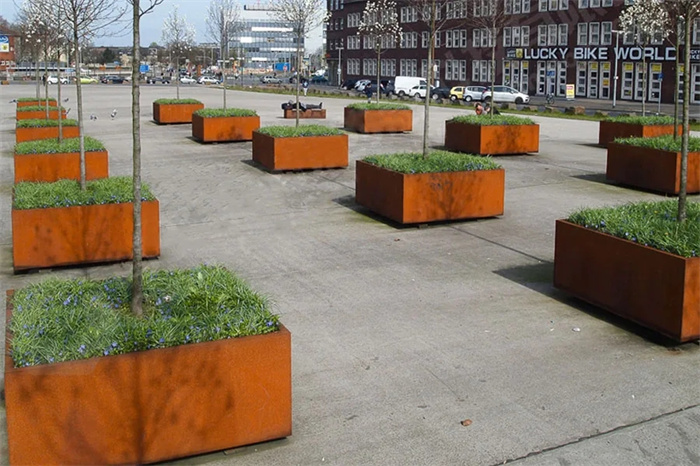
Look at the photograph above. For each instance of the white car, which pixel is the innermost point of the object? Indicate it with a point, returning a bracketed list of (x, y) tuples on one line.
[(187, 80), (361, 84), (54, 80), (418, 91), (505, 94), (208, 80)]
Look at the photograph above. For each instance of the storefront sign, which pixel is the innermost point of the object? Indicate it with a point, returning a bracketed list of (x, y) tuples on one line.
[(597, 53), (570, 91)]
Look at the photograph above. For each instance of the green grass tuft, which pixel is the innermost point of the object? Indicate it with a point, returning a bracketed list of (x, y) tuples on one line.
[(299, 131), (38, 108), (67, 193), (436, 162), (31, 99), (225, 112), (642, 120), (652, 224), (379, 106), (492, 120), (39, 123), (51, 146), (666, 142), (176, 101), (64, 320)]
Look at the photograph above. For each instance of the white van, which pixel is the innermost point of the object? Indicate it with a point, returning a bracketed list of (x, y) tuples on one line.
[(402, 84)]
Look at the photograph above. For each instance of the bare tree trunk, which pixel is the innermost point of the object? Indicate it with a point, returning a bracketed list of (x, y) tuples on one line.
[(137, 262), (682, 194), (38, 80), (79, 97), (46, 88), (298, 80), (60, 113), (677, 81), (379, 60), (428, 82), (177, 76), (644, 84), (492, 67)]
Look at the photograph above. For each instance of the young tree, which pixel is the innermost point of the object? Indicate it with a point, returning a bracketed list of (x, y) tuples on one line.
[(646, 21), (223, 20), (380, 25), (178, 37), (302, 16), (137, 263)]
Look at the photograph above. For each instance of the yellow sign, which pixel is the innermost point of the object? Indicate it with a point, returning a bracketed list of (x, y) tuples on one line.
[(606, 82), (606, 66), (655, 67), (628, 67), (570, 90)]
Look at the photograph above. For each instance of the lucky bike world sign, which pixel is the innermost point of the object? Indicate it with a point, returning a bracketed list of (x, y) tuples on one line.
[(4, 43), (593, 53)]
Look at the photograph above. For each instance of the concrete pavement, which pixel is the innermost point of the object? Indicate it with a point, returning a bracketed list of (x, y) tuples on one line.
[(401, 333)]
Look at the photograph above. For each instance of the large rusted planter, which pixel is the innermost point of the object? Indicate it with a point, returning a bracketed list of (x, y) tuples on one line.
[(32, 103), (45, 132), (61, 236), (309, 113), (609, 130), (653, 288), (492, 139), (652, 169), (150, 406), (224, 129), (300, 153), (62, 166), (429, 197), (174, 113), (40, 114), (378, 121)]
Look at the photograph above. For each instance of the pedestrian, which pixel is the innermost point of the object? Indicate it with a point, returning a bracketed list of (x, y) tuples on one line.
[(478, 108), (305, 85), (368, 92)]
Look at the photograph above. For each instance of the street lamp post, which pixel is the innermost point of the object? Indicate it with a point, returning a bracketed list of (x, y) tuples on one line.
[(617, 47), (340, 66)]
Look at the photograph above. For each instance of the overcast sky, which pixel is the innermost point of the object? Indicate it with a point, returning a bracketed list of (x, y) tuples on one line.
[(152, 24)]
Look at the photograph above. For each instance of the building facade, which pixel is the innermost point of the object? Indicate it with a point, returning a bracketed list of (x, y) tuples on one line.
[(543, 46), (7, 53)]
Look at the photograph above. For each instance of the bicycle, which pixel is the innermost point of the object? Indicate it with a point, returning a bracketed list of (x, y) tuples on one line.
[(549, 98)]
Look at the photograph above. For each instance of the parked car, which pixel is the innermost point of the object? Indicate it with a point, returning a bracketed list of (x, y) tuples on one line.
[(319, 79), (473, 93), (388, 88), (158, 80), (87, 80), (456, 93), (417, 91), (405, 83), (293, 79), (268, 79), (349, 84), (505, 94), (361, 84), (208, 80), (112, 80), (187, 80), (442, 92), (54, 80)]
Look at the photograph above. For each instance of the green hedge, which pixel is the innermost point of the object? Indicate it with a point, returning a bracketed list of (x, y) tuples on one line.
[(39, 123), (67, 193), (642, 120), (666, 142), (176, 101), (225, 112), (379, 106), (31, 99), (37, 108), (492, 120), (71, 319), (51, 146), (652, 224), (436, 162), (299, 131)]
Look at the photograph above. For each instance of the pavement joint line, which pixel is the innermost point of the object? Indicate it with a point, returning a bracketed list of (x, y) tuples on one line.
[(597, 435), (496, 243)]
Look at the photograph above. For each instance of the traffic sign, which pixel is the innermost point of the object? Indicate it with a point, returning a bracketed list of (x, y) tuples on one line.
[(550, 73)]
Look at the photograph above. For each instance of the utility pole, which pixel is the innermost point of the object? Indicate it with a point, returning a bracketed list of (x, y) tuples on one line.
[(340, 66)]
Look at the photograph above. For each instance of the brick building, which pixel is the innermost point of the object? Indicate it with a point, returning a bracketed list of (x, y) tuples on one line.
[(7, 52), (545, 45)]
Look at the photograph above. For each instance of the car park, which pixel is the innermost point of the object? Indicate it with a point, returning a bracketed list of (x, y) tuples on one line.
[(54, 80), (472, 93), (112, 80), (505, 94), (267, 79), (187, 80), (441, 92), (158, 80), (208, 80)]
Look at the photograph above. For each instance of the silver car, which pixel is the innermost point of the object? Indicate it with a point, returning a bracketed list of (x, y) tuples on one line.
[(473, 93), (505, 94)]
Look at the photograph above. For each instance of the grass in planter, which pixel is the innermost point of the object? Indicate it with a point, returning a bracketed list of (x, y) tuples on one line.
[(32, 99), (299, 131), (64, 320), (642, 120), (225, 112), (51, 146), (436, 162), (38, 108), (42, 123), (176, 101), (67, 193), (494, 120), (379, 106), (666, 142), (652, 224)]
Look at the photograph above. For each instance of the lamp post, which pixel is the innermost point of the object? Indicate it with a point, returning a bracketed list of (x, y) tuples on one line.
[(617, 46), (340, 66)]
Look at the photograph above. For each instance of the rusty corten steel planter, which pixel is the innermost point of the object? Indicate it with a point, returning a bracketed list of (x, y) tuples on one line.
[(652, 288), (609, 130), (32, 103), (152, 405), (378, 121), (66, 165), (492, 139), (300, 153), (309, 113), (45, 132), (652, 169), (429, 197), (174, 113), (40, 114), (61, 236), (224, 129)]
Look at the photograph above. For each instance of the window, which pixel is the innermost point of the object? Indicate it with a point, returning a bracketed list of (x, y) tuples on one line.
[(524, 36), (563, 4), (353, 66), (408, 67), (582, 34), (543, 5), (607, 3), (507, 37), (388, 67), (553, 5), (425, 39), (517, 8), (563, 34), (696, 32), (526, 6), (542, 35), (594, 3), (438, 39), (369, 66), (516, 37), (606, 37), (583, 3), (593, 33), (456, 70), (508, 6), (552, 34), (408, 14), (368, 42), (353, 42)]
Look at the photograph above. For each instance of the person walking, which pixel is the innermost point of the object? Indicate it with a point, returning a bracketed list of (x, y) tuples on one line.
[(368, 92), (305, 85)]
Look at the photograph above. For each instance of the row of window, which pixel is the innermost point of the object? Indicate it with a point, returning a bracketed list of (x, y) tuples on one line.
[(455, 70)]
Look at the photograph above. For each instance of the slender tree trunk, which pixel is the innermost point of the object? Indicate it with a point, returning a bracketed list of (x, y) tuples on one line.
[(79, 97), (223, 74), (137, 263), (60, 113), (38, 80), (177, 76), (677, 81), (682, 194), (46, 87), (644, 84), (428, 82), (492, 67), (379, 60), (298, 80)]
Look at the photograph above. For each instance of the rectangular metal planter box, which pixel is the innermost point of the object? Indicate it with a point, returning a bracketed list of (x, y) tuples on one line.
[(652, 169), (378, 121), (31, 103), (300, 153), (45, 132), (652, 288), (430, 197), (309, 113), (609, 130), (492, 139), (224, 129), (40, 114), (174, 113), (61, 236), (152, 405), (53, 167)]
